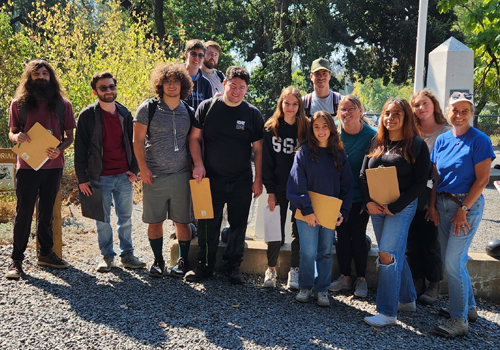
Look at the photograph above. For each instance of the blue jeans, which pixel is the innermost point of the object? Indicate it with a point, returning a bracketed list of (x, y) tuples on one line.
[(454, 251), (119, 189), (395, 283), (315, 247)]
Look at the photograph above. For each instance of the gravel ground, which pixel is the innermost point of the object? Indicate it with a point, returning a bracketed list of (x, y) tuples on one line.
[(79, 308)]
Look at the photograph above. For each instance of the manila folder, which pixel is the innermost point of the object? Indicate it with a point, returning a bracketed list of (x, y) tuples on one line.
[(325, 208), (34, 152), (383, 185), (202, 199)]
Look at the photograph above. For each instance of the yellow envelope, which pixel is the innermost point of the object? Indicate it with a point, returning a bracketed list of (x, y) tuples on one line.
[(383, 184), (202, 199), (325, 208)]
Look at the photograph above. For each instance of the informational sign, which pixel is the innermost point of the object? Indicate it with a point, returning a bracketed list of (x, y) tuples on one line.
[(7, 169)]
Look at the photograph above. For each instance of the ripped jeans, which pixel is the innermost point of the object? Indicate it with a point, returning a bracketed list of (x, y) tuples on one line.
[(395, 283)]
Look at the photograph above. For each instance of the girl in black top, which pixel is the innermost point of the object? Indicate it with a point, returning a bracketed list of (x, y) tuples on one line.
[(283, 132)]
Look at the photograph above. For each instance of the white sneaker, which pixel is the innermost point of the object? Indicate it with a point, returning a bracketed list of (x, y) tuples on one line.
[(293, 278), (270, 278), (361, 288), (322, 299), (407, 307), (304, 295), (340, 284), (381, 320)]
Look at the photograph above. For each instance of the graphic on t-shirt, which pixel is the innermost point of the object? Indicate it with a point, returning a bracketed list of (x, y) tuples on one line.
[(240, 125), (287, 146)]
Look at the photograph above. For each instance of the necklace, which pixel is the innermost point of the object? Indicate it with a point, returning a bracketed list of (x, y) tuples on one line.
[(393, 148)]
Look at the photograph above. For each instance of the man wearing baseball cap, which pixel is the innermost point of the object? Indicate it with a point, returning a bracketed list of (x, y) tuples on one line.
[(322, 98)]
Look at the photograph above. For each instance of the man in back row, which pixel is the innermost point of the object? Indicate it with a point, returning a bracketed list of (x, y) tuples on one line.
[(202, 90), (322, 98), (216, 77)]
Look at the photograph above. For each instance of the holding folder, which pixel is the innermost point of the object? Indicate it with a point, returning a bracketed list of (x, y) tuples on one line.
[(92, 205), (202, 199), (383, 184), (325, 208)]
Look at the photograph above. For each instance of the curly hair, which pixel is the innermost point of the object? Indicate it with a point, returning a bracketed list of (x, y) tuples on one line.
[(410, 130), (23, 90), (164, 71), (334, 146), (98, 76), (237, 72), (438, 112), (302, 122)]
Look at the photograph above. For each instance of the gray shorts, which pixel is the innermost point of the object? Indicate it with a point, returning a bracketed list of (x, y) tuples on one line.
[(168, 197)]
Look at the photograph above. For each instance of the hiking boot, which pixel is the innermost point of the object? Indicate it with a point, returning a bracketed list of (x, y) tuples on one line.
[(106, 264), (15, 269), (419, 284), (322, 299), (304, 295), (431, 294), (132, 262), (180, 268), (381, 320), (471, 314), (407, 307), (452, 328), (52, 260), (270, 278), (361, 288), (236, 277), (198, 274), (157, 269), (293, 278), (340, 284)]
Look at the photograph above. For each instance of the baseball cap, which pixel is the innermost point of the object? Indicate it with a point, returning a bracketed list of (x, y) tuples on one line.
[(320, 63), (458, 96)]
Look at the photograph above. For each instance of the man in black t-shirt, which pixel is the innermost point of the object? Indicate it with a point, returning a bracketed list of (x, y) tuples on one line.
[(231, 127)]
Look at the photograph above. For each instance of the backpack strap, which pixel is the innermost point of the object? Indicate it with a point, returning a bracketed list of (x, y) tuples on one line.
[(307, 105), (60, 109), (152, 104), (189, 109), (220, 75), (336, 100)]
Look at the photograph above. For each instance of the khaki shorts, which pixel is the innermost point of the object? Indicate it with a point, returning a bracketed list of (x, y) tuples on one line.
[(168, 198)]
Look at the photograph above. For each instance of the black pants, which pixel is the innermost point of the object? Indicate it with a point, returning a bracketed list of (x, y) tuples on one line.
[(351, 241), (43, 183), (238, 196), (273, 248), (423, 251)]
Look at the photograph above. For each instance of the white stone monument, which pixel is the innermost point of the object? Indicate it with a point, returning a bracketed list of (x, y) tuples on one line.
[(451, 68)]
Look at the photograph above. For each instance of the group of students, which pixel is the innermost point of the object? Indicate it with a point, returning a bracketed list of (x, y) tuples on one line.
[(441, 171)]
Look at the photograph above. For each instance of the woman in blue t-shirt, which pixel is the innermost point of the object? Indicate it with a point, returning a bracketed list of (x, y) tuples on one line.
[(461, 167), (320, 166), (356, 136)]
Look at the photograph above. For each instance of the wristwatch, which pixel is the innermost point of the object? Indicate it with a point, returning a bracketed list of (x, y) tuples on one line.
[(464, 208)]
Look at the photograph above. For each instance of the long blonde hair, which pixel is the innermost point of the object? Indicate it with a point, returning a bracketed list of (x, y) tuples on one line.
[(302, 121)]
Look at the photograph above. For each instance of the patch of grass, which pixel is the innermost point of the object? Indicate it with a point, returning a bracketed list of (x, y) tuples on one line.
[(7, 206)]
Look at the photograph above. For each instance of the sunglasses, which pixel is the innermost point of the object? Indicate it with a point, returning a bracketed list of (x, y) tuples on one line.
[(194, 54), (104, 88), (457, 94)]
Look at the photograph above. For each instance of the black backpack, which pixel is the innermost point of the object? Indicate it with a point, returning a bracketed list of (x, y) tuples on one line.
[(60, 109)]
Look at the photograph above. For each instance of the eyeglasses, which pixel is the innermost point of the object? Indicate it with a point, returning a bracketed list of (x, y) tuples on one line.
[(194, 54), (212, 54), (348, 110), (236, 88), (457, 94), (172, 82), (104, 88)]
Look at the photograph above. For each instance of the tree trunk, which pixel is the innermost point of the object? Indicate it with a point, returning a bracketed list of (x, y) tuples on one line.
[(160, 26)]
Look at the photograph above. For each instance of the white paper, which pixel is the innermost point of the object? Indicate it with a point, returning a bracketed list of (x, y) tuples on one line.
[(272, 224)]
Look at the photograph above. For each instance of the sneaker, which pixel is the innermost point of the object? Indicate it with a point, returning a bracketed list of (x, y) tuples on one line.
[(224, 234), (132, 262), (180, 268), (407, 307), (471, 314), (322, 299), (106, 264), (419, 284), (452, 328), (236, 277), (431, 294), (340, 284), (15, 269), (157, 269), (270, 278), (198, 274), (361, 288), (293, 279), (381, 320), (304, 295), (52, 260)]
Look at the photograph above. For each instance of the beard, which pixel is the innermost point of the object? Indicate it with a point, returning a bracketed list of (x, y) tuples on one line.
[(104, 98), (210, 64), (41, 89)]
